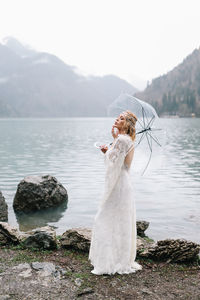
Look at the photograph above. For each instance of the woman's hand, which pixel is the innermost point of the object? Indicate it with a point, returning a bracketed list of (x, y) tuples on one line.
[(104, 148), (114, 132)]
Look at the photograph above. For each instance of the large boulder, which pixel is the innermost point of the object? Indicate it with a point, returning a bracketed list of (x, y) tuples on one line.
[(3, 209), (40, 238), (38, 192), (8, 234)]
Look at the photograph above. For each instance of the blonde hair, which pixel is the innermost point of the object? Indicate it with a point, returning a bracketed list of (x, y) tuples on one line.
[(131, 120)]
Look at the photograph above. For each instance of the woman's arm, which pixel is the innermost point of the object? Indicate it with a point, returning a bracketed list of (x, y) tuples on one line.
[(115, 133)]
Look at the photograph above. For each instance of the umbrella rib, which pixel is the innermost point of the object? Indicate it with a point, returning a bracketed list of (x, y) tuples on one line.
[(141, 139), (143, 116), (154, 138), (150, 146), (140, 123), (156, 129), (152, 119)]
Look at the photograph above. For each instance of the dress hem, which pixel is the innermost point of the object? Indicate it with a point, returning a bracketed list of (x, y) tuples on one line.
[(130, 269)]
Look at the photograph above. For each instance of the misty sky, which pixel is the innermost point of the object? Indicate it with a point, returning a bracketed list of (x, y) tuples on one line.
[(136, 40)]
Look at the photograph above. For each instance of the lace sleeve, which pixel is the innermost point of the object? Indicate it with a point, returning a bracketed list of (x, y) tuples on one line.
[(114, 160), (118, 150)]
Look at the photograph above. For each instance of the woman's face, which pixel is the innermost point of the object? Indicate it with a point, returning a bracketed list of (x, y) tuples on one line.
[(120, 121)]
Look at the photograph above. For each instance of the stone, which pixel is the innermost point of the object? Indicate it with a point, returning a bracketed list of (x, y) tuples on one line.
[(174, 250), (46, 269), (3, 209), (37, 265), (40, 238), (141, 227), (76, 238), (144, 245), (45, 266), (166, 250), (8, 234), (39, 192)]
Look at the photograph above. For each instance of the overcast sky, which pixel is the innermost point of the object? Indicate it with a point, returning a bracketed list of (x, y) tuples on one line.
[(136, 40)]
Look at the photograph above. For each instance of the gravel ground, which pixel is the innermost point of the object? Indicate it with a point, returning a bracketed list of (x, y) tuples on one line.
[(68, 276)]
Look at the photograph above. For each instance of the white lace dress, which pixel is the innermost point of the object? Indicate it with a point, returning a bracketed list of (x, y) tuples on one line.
[(113, 243)]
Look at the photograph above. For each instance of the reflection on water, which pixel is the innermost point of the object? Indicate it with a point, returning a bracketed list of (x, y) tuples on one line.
[(40, 218), (167, 197)]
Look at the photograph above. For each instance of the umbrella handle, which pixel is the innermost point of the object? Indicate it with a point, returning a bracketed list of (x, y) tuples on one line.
[(146, 129)]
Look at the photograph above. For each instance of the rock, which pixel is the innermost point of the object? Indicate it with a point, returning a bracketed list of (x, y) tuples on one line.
[(77, 238), (144, 245), (167, 250), (42, 238), (3, 209), (8, 234), (43, 269), (38, 266), (46, 269), (172, 250), (141, 227), (38, 192)]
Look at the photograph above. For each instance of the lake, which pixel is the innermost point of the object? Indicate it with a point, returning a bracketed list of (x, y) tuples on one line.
[(167, 195)]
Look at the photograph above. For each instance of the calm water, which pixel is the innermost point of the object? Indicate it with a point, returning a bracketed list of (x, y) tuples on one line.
[(168, 195)]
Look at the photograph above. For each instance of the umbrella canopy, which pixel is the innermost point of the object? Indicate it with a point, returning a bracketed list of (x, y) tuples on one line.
[(147, 134)]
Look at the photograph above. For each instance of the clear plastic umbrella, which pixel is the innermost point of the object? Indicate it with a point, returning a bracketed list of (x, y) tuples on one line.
[(147, 133)]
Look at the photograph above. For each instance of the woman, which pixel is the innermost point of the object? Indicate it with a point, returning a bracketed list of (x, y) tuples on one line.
[(113, 243)]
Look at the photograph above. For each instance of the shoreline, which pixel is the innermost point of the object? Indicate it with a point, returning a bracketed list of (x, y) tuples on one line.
[(62, 270)]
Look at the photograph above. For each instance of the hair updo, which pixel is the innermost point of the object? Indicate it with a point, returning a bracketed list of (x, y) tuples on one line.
[(131, 120)]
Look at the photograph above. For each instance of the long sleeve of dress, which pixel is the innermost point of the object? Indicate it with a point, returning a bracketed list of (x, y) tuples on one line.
[(114, 161)]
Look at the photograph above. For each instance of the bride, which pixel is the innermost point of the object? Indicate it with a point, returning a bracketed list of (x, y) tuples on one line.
[(113, 242)]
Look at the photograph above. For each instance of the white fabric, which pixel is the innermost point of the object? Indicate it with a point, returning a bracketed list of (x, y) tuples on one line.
[(113, 243)]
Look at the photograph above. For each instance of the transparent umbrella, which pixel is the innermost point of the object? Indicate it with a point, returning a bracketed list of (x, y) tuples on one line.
[(148, 135)]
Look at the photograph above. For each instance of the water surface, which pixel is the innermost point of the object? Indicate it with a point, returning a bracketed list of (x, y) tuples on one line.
[(168, 195)]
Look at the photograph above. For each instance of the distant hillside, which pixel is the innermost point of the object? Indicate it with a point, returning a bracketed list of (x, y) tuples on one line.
[(177, 92), (34, 84)]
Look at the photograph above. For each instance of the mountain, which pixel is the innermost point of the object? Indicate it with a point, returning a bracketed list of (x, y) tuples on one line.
[(17, 47), (38, 84), (178, 91)]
